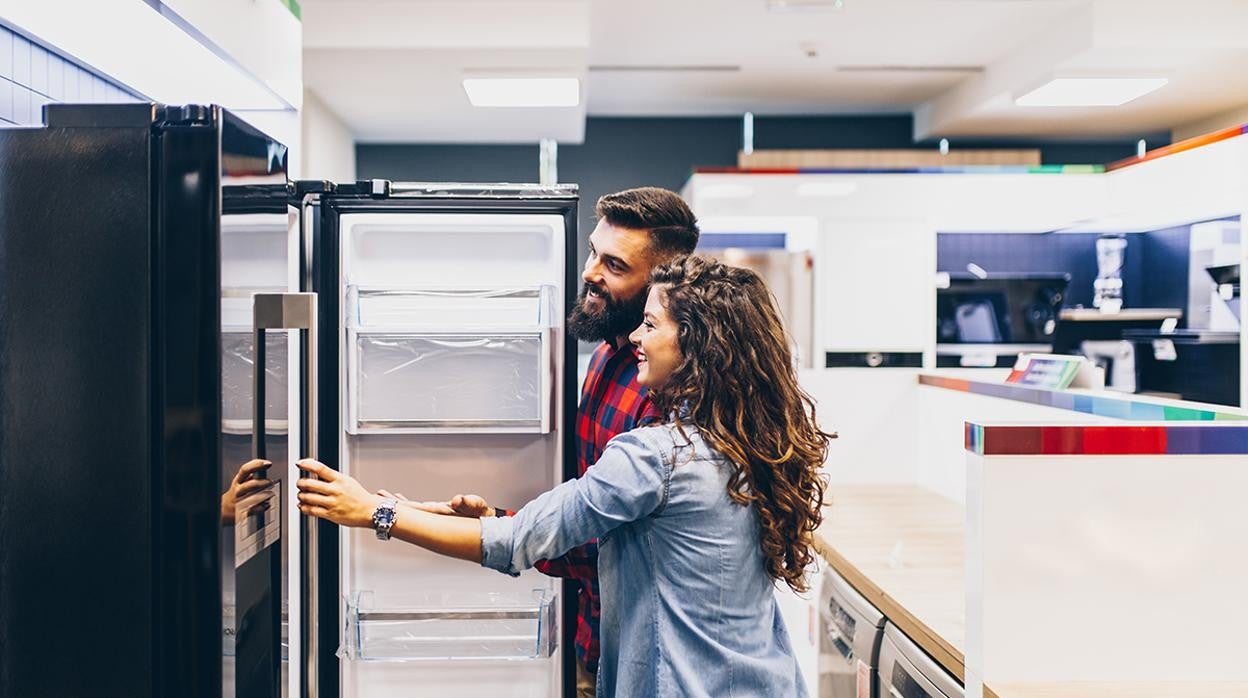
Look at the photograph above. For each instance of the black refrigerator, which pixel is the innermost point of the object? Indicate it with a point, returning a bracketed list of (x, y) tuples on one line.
[(143, 251)]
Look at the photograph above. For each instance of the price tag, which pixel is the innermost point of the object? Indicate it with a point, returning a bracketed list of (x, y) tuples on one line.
[(864, 680)]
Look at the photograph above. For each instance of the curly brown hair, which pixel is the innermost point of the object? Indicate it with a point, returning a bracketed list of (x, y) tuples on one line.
[(737, 385)]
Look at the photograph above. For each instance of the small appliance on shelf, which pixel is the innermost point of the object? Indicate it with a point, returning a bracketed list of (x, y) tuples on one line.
[(987, 320)]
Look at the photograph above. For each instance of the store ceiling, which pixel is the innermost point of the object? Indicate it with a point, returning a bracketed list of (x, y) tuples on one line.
[(392, 69)]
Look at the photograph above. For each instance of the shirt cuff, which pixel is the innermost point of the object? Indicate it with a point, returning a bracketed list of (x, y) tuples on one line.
[(496, 544)]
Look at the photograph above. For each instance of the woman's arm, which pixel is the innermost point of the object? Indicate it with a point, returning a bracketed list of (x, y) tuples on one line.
[(341, 499), (629, 482), (626, 484)]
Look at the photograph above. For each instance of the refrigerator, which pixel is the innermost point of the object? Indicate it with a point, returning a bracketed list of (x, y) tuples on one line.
[(444, 369), (171, 307), (146, 253)]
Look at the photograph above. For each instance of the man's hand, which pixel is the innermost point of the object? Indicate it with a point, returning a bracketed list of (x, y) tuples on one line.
[(467, 505), (470, 505)]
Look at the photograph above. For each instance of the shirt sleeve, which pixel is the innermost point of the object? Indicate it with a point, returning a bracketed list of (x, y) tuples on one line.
[(627, 483)]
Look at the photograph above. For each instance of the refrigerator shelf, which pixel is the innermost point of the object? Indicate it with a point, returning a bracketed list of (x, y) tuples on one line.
[(442, 627)]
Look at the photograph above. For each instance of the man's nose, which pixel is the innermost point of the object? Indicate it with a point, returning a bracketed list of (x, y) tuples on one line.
[(592, 273)]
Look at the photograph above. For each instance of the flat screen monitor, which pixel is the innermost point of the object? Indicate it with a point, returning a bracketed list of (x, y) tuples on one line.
[(1000, 309)]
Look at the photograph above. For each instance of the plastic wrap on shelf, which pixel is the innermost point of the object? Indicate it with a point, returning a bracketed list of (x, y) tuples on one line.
[(446, 361), (450, 626), (431, 382)]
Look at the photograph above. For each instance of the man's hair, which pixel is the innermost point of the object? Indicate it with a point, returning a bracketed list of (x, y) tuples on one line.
[(673, 228)]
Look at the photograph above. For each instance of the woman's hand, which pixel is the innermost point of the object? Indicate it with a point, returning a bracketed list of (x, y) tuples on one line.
[(335, 496)]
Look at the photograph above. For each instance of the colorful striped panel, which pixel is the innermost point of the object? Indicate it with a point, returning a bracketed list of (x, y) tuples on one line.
[(963, 169), (1107, 440), (1181, 146), (1101, 405)]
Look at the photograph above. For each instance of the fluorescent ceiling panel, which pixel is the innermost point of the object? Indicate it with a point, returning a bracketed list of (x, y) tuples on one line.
[(1089, 92), (523, 92)]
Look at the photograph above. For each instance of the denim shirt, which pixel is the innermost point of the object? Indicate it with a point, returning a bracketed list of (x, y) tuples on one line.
[(687, 606)]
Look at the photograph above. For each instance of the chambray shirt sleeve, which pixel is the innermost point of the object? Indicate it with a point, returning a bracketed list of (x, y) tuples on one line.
[(627, 483)]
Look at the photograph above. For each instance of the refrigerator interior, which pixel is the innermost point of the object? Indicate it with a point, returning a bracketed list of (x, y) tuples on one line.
[(452, 341), (260, 253)]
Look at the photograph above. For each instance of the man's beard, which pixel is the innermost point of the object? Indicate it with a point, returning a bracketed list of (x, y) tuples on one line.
[(616, 319)]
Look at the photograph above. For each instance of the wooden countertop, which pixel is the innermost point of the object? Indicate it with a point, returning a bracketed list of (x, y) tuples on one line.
[(1119, 689), (902, 548)]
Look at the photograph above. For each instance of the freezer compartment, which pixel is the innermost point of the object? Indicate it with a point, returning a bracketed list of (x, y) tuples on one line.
[(449, 383), (449, 249), (450, 626), (906, 671)]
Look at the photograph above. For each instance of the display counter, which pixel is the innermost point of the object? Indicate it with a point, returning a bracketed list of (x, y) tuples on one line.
[(1119, 689), (901, 547), (1047, 503)]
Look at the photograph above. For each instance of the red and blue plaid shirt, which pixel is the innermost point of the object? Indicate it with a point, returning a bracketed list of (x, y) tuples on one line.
[(611, 403)]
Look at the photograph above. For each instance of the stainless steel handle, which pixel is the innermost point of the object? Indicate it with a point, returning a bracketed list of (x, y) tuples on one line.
[(295, 311)]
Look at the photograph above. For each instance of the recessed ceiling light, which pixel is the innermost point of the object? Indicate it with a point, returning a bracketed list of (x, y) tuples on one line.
[(1089, 92), (523, 92)]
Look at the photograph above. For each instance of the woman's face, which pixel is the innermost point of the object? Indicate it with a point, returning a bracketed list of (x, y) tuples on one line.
[(658, 349)]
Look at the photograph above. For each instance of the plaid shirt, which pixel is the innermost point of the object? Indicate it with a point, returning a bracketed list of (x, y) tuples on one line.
[(611, 404)]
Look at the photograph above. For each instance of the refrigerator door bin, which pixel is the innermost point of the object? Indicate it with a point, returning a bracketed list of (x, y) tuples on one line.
[(450, 626), (237, 366)]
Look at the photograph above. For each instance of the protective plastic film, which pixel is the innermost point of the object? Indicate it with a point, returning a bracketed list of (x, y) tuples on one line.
[(443, 381)]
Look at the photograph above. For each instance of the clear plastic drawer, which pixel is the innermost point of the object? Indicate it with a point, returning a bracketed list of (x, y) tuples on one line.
[(450, 626), (447, 361)]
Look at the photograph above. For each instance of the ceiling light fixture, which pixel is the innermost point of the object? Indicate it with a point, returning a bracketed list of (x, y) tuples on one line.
[(1089, 92), (523, 92)]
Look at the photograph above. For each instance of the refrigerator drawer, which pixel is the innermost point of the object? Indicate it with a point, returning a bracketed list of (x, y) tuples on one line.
[(423, 627), (449, 382)]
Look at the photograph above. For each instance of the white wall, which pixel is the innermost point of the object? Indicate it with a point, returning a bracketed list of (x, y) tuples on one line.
[(328, 146), (263, 36)]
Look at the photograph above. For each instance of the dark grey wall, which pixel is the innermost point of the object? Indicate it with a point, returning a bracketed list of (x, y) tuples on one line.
[(619, 153)]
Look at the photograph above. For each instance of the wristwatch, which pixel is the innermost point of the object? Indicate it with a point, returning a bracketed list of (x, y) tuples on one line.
[(383, 518)]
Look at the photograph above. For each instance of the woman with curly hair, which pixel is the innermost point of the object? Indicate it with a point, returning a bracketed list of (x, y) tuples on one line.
[(697, 518)]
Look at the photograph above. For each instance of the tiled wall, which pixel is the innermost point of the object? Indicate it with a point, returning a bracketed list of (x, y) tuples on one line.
[(31, 76)]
